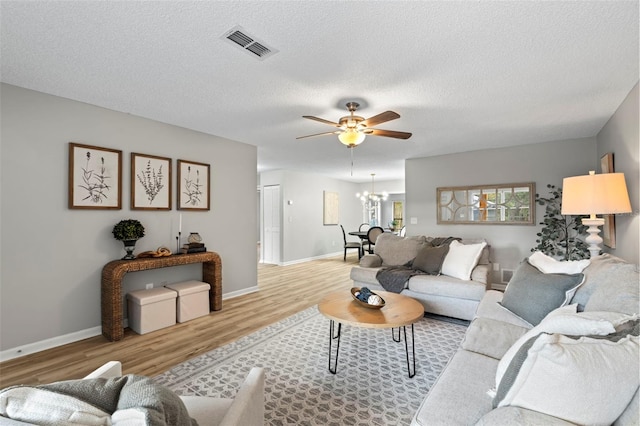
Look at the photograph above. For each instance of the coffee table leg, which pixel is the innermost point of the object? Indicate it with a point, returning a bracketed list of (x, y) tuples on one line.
[(413, 350), (333, 336), (393, 335)]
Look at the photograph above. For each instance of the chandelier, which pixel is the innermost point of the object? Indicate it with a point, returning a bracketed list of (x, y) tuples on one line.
[(372, 197), (371, 203)]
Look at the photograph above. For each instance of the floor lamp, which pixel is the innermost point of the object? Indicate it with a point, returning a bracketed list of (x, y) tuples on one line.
[(594, 194)]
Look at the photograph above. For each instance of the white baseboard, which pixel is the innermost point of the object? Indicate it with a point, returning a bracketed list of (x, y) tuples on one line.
[(53, 342), (323, 256)]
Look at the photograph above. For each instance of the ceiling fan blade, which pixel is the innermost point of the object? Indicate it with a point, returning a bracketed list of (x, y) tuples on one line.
[(322, 120), (388, 133), (320, 134), (383, 117)]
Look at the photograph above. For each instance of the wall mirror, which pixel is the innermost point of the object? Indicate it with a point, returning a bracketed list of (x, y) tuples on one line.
[(508, 204)]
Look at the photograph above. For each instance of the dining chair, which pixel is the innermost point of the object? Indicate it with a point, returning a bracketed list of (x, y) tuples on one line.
[(403, 231), (363, 227), (350, 245), (372, 236)]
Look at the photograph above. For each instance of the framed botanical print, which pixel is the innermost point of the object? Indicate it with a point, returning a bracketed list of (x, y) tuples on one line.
[(150, 182), (193, 185), (95, 177)]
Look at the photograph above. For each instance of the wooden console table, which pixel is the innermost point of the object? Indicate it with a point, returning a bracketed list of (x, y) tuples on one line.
[(113, 272)]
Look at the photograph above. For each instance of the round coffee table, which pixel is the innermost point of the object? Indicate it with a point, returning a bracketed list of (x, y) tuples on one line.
[(399, 312)]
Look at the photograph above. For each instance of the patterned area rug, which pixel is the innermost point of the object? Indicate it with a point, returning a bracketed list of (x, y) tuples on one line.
[(371, 386)]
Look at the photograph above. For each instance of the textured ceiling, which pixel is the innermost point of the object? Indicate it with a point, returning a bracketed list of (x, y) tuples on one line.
[(463, 75)]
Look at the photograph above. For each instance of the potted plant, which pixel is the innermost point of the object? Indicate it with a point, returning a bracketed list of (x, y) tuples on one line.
[(128, 231), (561, 236)]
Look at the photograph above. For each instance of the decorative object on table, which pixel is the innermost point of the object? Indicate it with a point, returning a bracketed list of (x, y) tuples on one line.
[(561, 235), (150, 182), (365, 297), (128, 231), (594, 194), (194, 245), (609, 227), (193, 185), (95, 177), (194, 237), (161, 252), (193, 248), (503, 204)]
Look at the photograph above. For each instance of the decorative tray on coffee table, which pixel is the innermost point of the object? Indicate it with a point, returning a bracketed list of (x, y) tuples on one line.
[(355, 290)]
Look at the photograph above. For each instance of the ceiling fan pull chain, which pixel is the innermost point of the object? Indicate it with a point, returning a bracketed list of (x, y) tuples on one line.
[(351, 149)]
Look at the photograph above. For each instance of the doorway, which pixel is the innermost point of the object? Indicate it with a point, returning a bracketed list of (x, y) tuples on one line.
[(271, 214)]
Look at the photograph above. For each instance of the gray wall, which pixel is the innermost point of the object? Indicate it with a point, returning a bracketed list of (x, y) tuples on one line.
[(52, 257), (544, 163), (303, 235), (620, 136)]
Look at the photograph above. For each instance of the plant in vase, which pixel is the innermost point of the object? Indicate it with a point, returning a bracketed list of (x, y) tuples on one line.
[(562, 235), (128, 231)]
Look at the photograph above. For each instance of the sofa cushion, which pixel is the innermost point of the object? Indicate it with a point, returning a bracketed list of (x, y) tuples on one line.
[(461, 259), (447, 286), (364, 275), (489, 307), (548, 370), (430, 259), (549, 265), (459, 396), (395, 250), (370, 261), (620, 293), (490, 337), (532, 294), (602, 271), (519, 416)]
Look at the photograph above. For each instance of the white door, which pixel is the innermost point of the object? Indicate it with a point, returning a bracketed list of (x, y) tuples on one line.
[(271, 224)]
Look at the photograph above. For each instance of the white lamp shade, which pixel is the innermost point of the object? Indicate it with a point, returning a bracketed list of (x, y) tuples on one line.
[(593, 194)]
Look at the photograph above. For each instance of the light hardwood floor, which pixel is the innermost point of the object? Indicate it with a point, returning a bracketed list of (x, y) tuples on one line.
[(283, 291)]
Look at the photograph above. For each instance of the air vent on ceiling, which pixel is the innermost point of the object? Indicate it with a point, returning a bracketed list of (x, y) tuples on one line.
[(256, 48)]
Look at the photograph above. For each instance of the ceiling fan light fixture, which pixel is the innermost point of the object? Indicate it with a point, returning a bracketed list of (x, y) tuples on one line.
[(351, 138)]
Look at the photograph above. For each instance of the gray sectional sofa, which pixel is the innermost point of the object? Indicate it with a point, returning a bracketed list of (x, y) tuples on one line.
[(440, 294), (550, 377)]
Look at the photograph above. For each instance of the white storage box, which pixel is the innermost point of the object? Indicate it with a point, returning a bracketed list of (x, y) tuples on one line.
[(193, 299), (151, 310)]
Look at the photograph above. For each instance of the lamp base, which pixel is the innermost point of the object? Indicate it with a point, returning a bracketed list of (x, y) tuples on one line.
[(594, 240)]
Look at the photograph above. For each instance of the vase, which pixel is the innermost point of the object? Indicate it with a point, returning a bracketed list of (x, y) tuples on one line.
[(129, 246), (194, 237)]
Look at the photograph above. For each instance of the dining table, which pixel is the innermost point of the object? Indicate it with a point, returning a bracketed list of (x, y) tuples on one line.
[(361, 234)]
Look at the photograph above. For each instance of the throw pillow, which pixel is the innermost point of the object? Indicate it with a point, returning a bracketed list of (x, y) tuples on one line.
[(549, 265), (430, 259), (461, 259), (40, 406), (550, 368), (531, 294), (565, 320)]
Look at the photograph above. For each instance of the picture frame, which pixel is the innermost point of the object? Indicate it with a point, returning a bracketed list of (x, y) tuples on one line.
[(150, 182), (95, 177), (193, 185), (609, 227), (331, 208)]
